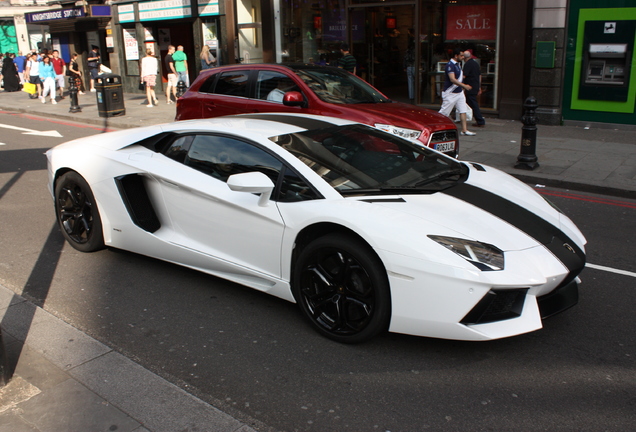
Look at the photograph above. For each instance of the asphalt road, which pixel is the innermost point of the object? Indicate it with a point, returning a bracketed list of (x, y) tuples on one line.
[(253, 356)]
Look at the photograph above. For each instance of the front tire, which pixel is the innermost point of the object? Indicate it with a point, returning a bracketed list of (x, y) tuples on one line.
[(341, 286), (77, 213)]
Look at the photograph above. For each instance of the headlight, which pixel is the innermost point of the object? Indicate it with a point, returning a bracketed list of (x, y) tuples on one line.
[(483, 256), (409, 134)]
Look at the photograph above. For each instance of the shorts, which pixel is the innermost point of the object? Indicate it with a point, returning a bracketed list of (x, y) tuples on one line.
[(172, 80), (94, 72), (450, 100), (59, 81), (35, 79), (150, 80)]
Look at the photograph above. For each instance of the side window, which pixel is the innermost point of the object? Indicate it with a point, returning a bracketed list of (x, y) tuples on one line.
[(220, 157), (178, 150), (208, 85), (232, 83), (272, 86)]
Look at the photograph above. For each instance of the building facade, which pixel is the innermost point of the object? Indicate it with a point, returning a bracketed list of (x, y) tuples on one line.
[(574, 56)]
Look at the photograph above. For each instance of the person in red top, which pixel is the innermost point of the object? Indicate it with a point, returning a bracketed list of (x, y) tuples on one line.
[(59, 66)]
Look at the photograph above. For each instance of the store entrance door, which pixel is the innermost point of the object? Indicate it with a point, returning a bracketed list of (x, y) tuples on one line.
[(380, 39)]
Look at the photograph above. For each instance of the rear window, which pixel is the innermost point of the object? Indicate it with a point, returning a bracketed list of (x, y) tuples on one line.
[(230, 83)]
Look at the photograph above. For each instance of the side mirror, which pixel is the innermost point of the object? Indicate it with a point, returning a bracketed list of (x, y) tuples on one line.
[(293, 98), (252, 182)]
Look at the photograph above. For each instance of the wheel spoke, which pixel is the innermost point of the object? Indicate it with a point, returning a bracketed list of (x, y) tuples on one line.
[(75, 213), (338, 292), (318, 288)]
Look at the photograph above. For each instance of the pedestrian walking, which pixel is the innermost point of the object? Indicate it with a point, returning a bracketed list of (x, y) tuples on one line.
[(47, 75), (59, 66), (32, 71), (74, 72), (347, 62), (207, 59), (171, 87), (20, 62), (10, 78), (472, 77), (93, 62), (181, 65), (453, 90), (149, 71)]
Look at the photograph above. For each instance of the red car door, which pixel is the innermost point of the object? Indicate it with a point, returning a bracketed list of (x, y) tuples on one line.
[(230, 95)]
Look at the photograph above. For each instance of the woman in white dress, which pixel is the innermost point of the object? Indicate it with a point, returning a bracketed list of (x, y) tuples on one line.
[(149, 71)]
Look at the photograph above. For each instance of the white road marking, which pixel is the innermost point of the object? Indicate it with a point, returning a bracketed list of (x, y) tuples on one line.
[(611, 270), (51, 133)]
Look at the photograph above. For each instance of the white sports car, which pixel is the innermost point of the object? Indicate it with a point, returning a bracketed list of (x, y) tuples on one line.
[(364, 230)]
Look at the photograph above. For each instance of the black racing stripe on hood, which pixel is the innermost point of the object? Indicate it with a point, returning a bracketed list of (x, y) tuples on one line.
[(539, 229), (301, 122)]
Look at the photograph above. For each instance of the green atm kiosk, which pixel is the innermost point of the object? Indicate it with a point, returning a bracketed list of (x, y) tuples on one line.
[(600, 62), (608, 47)]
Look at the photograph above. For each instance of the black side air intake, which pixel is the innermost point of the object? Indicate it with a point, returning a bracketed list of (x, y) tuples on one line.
[(135, 197)]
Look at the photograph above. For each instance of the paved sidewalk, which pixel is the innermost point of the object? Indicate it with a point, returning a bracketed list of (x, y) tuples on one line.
[(67, 381)]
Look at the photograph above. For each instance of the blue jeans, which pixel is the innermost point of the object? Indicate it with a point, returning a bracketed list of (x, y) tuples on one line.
[(183, 76)]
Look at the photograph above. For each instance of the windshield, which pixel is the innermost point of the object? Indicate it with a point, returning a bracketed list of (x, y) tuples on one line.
[(340, 87), (358, 159)]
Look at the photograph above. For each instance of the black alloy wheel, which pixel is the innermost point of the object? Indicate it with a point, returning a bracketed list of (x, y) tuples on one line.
[(77, 213), (341, 286)]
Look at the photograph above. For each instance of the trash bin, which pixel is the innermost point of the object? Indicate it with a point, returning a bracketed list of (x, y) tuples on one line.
[(110, 95)]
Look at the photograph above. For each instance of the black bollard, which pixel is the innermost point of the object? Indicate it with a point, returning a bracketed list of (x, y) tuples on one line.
[(181, 88), (72, 92), (527, 158)]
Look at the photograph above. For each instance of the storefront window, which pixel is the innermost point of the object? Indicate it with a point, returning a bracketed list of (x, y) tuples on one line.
[(383, 39), (469, 25), (312, 33), (250, 31)]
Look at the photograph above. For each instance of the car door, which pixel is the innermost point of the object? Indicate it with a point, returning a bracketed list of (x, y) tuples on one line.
[(228, 95), (208, 217)]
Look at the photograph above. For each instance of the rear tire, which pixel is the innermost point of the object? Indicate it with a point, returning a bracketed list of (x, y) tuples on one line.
[(77, 213), (341, 286)]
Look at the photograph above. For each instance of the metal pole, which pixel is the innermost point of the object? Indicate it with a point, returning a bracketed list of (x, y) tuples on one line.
[(527, 158), (72, 92)]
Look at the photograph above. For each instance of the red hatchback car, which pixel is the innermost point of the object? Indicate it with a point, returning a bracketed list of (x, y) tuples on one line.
[(312, 89)]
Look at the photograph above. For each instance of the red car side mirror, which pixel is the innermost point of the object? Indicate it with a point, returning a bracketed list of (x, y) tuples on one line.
[(293, 98)]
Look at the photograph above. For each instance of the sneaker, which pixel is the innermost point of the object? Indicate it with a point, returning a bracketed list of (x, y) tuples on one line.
[(82, 93), (468, 133), (149, 105), (42, 99), (93, 90), (53, 101)]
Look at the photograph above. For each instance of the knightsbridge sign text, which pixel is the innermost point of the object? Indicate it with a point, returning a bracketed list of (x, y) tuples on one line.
[(54, 15)]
